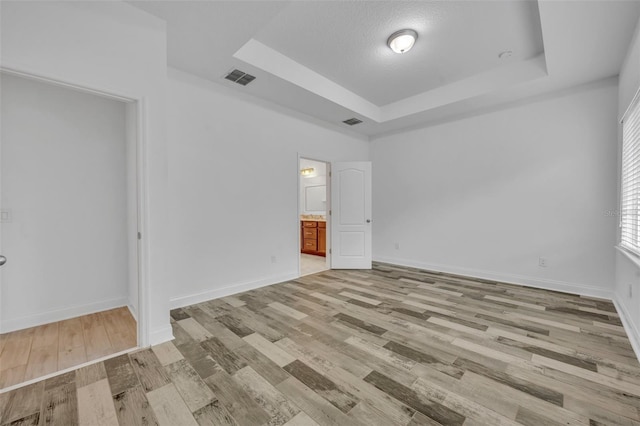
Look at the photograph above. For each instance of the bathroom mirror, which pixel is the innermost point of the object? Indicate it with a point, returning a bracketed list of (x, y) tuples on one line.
[(315, 199)]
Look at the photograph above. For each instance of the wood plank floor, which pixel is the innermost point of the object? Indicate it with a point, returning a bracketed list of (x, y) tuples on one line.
[(390, 346), (35, 352)]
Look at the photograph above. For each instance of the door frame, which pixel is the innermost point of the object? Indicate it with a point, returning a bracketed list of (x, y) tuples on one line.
[(139, 106), (327, 213)]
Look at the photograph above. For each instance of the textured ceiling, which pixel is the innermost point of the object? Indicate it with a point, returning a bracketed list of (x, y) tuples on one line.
[(328, 60), (346, 42)]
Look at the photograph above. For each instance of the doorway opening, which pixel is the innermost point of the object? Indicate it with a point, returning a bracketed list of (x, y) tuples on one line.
[(313, 215), (70, 196)]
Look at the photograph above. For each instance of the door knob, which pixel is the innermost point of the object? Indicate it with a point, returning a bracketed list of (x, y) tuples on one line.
[(368, 220), (3, 260)]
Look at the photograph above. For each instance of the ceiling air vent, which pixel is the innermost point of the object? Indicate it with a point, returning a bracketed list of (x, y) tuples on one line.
[(240, 77), (352, 121)]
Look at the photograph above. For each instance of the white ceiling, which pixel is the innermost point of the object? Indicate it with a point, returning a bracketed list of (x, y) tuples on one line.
[(329, 59), (346, 42)]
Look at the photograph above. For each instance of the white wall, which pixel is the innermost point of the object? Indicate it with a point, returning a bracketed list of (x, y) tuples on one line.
[(488, 195), (628, 267), (64, 181), (115, 48), (226, 222)]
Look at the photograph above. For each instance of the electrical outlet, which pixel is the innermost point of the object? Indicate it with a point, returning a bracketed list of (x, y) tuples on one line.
[(273, 259), (630, 291), (542, 262), (397, 246)]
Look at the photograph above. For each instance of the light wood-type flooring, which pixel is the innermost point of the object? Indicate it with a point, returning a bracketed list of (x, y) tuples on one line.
[(390, 346), (35, 352)]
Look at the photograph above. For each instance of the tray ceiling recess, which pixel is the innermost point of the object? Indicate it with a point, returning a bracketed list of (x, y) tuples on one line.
[(331, 60)]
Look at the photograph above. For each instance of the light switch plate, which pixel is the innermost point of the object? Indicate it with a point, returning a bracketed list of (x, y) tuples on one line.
[(5, 216)]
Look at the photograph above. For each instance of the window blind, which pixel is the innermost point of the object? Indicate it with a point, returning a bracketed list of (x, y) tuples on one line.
[(630, 192)]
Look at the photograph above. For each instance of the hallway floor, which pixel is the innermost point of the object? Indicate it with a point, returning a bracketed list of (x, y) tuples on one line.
[(37, 351)]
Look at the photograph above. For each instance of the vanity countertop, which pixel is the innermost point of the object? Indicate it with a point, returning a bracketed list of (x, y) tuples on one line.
[(313, 217)]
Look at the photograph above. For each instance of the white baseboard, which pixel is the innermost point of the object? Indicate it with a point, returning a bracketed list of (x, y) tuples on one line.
[(181, 301), (132, 310), (629, 325), (567, 287), (61, 314), (161, 335)]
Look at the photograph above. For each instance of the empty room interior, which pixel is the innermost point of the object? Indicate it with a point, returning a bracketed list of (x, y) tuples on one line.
[(320, 212)]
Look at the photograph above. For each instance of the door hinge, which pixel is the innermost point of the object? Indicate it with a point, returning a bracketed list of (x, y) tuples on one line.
[(329, 174), (329, 251), (139, 235), (329, 212)]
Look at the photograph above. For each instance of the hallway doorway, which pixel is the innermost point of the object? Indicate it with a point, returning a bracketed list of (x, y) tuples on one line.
[(313, 209)]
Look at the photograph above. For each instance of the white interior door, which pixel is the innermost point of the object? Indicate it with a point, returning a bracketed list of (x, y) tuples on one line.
[(351, 215)]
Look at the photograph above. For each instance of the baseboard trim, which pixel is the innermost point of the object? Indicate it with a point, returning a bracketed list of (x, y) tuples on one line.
[(217, 293), (161, 335), (567, 287), (55, 315), (132, 310), (629, 326)]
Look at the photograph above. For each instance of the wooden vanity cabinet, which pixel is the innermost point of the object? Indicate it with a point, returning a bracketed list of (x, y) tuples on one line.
[(313, 237), (322, 238)]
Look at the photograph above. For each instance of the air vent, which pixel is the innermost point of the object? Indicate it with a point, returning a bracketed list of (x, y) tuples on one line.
[(240, 77), (352, 121)]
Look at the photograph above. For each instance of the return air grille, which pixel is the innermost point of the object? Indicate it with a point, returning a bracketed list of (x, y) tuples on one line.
[(352, 121), (240, 77)]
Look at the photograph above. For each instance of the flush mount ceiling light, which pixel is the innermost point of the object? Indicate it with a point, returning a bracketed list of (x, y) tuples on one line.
[(402, 41)]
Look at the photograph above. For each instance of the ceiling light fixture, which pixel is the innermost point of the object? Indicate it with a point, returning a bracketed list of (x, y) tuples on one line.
[(402, 41)]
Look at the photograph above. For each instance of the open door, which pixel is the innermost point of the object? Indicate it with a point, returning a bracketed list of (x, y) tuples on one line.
[(351, 215)]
